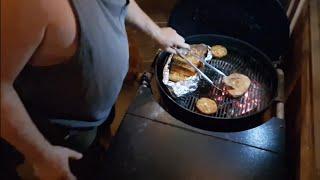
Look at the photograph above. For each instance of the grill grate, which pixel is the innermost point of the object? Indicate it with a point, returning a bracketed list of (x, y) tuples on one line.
[(255, 99)]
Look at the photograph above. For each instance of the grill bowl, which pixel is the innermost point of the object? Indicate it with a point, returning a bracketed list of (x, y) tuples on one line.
[(242, 58)]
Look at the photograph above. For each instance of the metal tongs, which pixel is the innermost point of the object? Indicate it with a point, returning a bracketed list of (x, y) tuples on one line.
[(210, 66), (185, 51), (182, 53)]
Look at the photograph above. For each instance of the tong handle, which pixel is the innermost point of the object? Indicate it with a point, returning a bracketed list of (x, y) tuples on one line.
[(200, 72), (214, 68), (185, 51)]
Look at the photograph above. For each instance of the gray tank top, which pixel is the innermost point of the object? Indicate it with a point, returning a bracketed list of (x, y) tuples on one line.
[(81, 92)]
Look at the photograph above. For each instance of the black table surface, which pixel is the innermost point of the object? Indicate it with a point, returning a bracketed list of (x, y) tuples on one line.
[(151, 144)]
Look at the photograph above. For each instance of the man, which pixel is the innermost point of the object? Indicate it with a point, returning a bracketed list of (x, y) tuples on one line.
[(62, 67)]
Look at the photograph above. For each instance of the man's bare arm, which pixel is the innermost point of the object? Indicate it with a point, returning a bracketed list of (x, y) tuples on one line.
[(19, 40), (23, 27), (166, 37)]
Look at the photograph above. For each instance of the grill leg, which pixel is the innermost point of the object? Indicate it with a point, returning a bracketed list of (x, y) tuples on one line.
[(145, 79), (280, 97)]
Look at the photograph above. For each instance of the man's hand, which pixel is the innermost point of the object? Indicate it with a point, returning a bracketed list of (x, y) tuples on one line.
[(55, 164), (168, 38)]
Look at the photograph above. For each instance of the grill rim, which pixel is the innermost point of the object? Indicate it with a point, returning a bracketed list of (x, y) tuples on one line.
[(267, 60)]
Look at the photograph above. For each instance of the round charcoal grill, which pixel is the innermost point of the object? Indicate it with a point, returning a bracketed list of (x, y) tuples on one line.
[(233, 114)]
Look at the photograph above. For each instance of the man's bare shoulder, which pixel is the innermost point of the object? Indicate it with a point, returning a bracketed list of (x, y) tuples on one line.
[(33, 10)]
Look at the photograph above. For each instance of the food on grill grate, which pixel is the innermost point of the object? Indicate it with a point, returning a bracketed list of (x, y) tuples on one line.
[(206, 106), (199, 50), (187, 71), (175, 77), (196, 51), (180, 69), (219, 51), (179, 60), (237, 84), (179, 73), (178, 64)]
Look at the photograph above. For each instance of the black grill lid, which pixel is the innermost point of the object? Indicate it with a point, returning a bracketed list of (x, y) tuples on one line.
[(262, 23)]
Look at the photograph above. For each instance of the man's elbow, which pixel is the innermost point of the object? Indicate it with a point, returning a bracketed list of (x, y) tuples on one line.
[(7, 91)]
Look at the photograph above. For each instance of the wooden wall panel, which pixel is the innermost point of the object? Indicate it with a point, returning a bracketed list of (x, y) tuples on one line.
[(302, 69), (315, 79), (299, 51), (298, 56)]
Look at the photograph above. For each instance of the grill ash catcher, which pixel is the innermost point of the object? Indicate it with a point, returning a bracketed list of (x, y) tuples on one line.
[(247, 29)]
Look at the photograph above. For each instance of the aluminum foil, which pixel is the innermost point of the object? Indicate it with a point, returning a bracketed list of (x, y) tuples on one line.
[(181, 88)]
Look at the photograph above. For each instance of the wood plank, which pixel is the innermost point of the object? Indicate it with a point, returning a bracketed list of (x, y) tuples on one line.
[(306, 139), (315, 73), (310, 88), (293, 114), (298, 106), (297, 53)]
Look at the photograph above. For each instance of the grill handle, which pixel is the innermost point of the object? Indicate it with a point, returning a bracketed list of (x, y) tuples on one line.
[(159, 51), (145, 79), (280, 95)]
